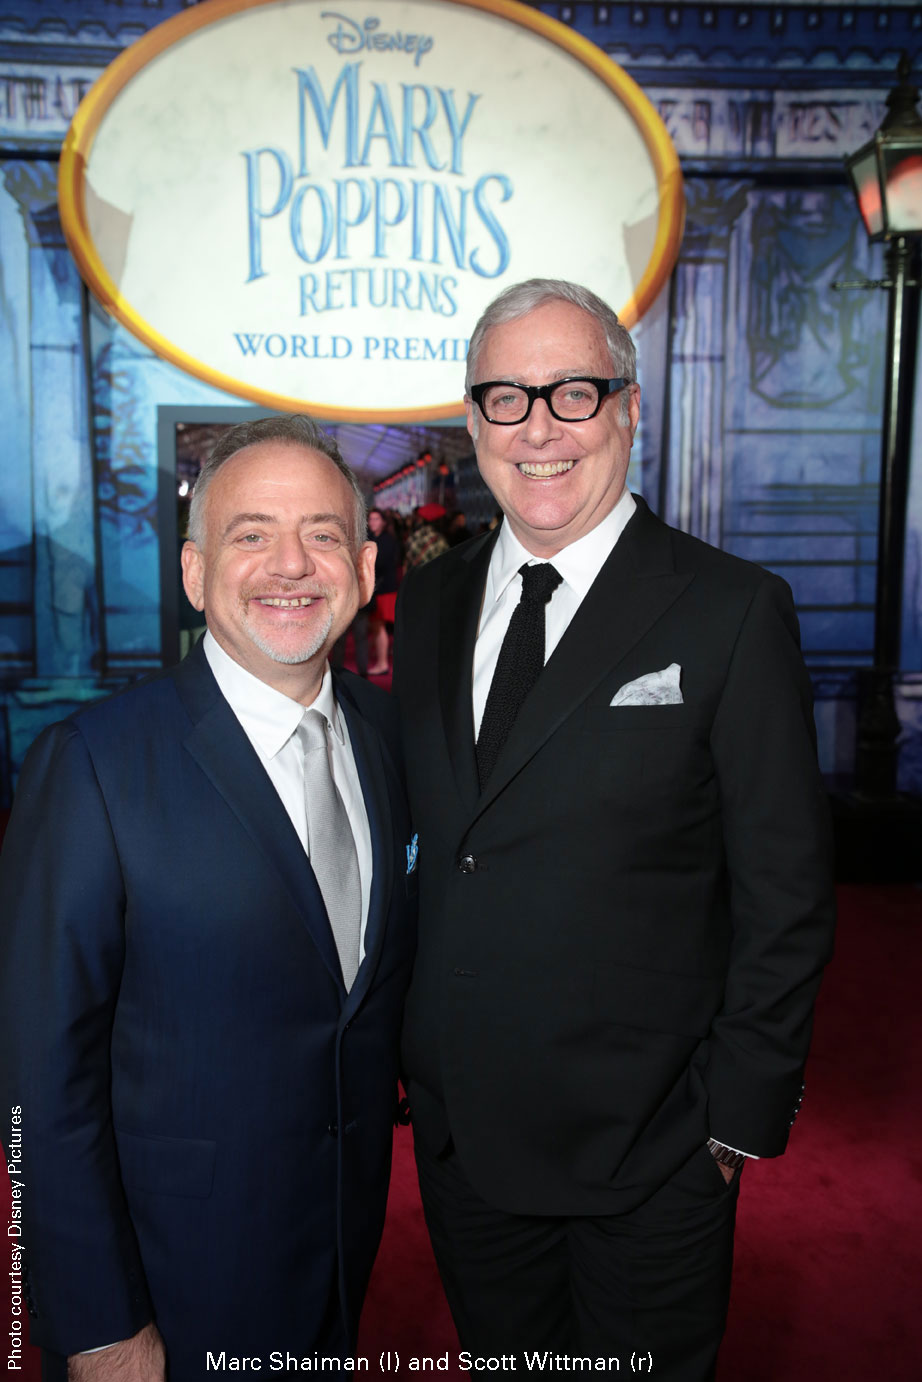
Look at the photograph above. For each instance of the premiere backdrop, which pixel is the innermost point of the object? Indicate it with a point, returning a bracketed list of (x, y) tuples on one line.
[(762, 383)]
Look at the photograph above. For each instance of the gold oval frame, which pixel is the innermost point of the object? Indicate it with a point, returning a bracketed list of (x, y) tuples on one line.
[(81, 135)]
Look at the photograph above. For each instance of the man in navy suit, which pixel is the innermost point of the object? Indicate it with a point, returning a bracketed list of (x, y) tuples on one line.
[(625, 892), (206, 1072)]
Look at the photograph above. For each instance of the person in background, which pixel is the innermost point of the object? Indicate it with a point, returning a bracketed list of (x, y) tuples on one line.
[(206, 939), (387, 578), (626, 896), (458, 530), (359, 630), (424, 542)]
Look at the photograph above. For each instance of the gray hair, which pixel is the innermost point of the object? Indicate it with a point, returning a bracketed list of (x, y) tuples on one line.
[(295, 428), (521, 298)]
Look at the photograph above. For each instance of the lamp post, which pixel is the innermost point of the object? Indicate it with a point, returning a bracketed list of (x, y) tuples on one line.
[(886, 175)]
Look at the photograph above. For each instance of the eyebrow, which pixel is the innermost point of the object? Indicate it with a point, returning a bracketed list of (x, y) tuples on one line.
[(241, 519), (556, 376)]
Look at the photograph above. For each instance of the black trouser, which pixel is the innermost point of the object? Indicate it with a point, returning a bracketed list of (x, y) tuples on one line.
[(650, 1284), (359, 628)]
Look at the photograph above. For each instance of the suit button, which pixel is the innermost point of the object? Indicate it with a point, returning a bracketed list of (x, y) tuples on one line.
[(467, 863), (333, 1129)]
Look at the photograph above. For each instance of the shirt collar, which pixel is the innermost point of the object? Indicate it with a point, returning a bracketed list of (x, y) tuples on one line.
[(578, 564), (268, 717)]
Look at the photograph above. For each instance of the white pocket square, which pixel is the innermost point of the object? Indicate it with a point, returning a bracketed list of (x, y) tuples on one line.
[(656, 688)]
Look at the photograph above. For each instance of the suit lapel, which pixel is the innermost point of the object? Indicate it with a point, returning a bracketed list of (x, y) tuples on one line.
[(369, 762), (222, 750), (636, 585), (461, 596)]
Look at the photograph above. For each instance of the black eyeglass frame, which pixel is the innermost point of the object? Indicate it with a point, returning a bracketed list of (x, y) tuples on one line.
[(533, 391)]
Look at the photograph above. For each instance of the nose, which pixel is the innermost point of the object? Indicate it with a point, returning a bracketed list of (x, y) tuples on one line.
[(540, 426), (291, 557)]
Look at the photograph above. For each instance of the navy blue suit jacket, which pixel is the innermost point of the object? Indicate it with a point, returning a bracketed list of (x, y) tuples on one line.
[(206, 1114)]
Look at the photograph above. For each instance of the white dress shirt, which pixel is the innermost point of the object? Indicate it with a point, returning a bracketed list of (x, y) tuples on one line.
[(578, 564), (269, 720)]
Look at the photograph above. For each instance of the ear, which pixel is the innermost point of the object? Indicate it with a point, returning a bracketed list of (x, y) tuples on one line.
[(365, 570), (633, 408), (470, 414), (193, 575)]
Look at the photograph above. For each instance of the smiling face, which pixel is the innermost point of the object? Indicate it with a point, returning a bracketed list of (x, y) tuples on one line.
[(553, 480), (278, 575)]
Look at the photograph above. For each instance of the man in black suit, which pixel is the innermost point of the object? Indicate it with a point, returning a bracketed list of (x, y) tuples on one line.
[(625, 896), (202, 973)]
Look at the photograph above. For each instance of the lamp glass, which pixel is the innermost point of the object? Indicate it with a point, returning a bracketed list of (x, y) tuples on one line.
[(902, 169), (862, 167)]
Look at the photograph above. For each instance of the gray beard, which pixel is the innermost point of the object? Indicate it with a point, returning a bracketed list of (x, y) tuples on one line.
[(303, 654)]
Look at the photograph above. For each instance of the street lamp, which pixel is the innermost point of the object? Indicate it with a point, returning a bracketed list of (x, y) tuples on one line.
[(886, 175)]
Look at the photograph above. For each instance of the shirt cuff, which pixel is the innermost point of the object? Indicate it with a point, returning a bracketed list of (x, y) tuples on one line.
[(739, 1151)]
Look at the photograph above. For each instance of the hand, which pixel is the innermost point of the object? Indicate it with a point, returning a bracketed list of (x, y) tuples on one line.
[(142, 1358), (728, 1172)]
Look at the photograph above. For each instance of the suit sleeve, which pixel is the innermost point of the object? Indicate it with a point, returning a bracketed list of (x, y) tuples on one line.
[(777, 841), (62, 945)]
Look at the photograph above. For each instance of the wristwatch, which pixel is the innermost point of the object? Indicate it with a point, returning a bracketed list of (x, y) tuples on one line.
[(726, 1155)]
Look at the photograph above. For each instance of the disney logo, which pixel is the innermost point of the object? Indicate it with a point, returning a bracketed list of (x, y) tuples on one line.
[(350, 37)]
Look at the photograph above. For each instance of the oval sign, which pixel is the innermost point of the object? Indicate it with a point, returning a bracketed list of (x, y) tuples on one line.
[(308, 203)]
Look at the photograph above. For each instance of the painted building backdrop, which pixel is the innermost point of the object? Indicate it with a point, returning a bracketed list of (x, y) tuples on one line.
[(762, 383)]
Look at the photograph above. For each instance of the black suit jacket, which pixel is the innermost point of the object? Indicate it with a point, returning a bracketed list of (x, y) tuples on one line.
[(621, 939), (206, 1114)]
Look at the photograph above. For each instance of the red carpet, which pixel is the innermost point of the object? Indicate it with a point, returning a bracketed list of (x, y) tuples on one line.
[(828, 1259), (828, 1245)]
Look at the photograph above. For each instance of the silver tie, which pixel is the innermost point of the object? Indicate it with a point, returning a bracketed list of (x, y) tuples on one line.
[(331, 844)]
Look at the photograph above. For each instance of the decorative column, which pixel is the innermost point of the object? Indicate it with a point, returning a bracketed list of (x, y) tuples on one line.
[(66, 596)]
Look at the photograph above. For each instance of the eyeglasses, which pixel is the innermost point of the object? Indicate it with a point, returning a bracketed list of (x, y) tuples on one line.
[(569, 400)]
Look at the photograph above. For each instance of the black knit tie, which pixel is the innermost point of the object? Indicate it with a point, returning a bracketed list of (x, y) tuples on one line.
[(518, 666)]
